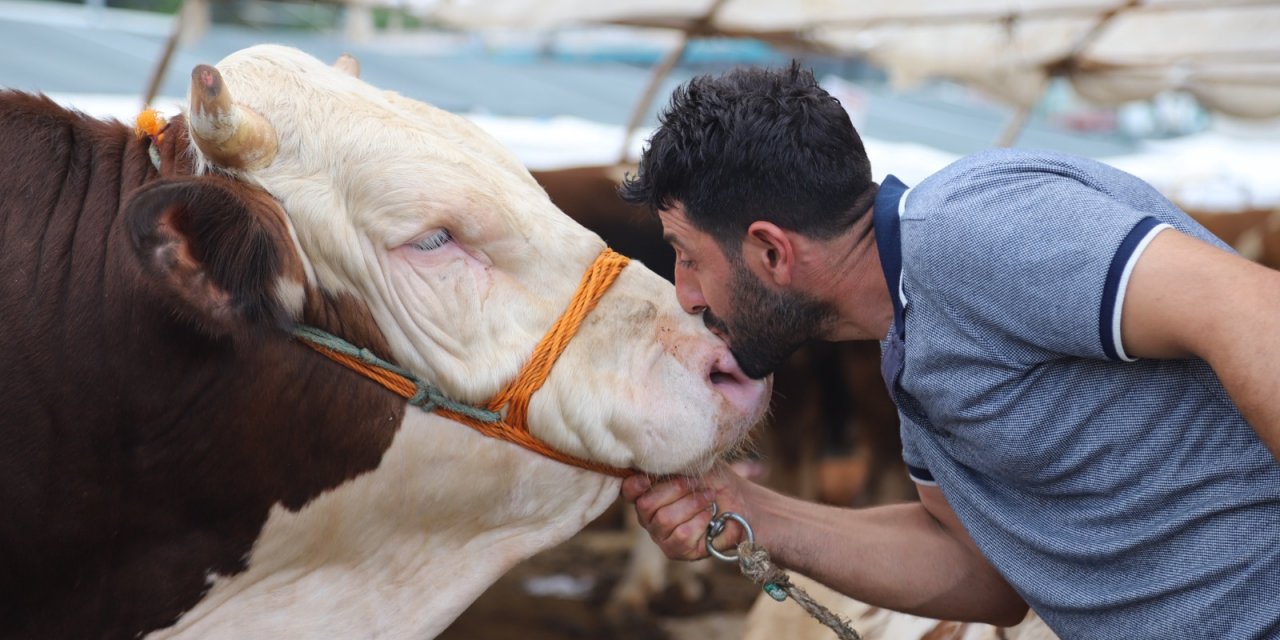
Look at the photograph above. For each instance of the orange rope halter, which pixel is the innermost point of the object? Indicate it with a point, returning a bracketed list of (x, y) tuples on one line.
[(515, 396)]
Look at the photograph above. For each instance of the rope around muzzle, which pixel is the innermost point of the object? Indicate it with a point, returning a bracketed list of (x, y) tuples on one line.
[(755, 564), (513, 426)]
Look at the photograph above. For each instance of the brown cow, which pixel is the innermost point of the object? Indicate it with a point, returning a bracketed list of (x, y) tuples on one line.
[(125, 343), (173, 463)]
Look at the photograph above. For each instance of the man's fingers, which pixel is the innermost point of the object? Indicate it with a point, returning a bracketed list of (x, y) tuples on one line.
[(688, 539), (660, 495), (634, 486), (675, 511), (696, 505)]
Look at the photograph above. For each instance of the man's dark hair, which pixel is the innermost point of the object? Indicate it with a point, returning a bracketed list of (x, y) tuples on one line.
[(755, 144)]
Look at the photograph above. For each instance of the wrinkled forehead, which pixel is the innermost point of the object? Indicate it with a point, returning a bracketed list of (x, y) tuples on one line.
[(328, 117), (390, 160)]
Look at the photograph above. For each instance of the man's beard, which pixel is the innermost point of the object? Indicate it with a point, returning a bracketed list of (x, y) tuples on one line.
[(767, 326)]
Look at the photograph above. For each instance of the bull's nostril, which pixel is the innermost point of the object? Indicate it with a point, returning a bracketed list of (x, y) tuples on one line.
[(741, 395), (724, 372)]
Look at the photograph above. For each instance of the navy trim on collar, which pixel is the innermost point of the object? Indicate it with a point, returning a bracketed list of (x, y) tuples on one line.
[(889, 242)]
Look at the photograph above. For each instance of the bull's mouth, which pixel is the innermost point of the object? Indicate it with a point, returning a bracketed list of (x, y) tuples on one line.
[(749, 401)]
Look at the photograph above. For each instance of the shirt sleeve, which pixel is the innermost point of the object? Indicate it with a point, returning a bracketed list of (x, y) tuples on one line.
[(1032, 263), (917, 467)]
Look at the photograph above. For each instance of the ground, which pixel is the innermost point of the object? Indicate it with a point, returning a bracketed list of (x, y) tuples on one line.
[(574, 580)]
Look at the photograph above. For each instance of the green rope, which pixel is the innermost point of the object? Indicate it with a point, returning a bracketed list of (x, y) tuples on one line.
[(427, 397)]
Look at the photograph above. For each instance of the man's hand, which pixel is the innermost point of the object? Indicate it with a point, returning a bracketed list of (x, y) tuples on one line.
[(675, 511)]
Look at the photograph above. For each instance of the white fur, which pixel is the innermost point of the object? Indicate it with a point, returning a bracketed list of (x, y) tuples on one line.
[(291, 295), (400, 551)]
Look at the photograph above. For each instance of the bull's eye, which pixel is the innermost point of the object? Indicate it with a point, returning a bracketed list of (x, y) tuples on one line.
[(433, 241)]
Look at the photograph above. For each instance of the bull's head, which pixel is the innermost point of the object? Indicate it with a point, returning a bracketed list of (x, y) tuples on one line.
[(462, 261)]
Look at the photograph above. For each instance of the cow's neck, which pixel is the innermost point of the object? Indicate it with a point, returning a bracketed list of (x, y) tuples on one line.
[(66, 176), (402, 550)]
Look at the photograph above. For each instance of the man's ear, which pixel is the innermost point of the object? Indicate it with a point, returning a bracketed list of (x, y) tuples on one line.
[(206, 241), (769, 252)]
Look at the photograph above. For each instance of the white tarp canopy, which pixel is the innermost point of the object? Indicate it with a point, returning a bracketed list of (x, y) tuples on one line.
[(1224, 52)]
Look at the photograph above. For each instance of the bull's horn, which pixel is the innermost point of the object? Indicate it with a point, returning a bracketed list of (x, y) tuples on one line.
[(348, 64), (229, 135)]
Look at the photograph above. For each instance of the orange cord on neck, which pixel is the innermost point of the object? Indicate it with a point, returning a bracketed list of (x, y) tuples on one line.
[(516, 395), (150, 123)]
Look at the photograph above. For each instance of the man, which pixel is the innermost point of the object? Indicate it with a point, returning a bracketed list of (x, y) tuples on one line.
[(1088, 383)]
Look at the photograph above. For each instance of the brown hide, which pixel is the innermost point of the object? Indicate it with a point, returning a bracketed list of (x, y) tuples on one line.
[(1255, 233), (589, 195), (820, 393), (142, 440)]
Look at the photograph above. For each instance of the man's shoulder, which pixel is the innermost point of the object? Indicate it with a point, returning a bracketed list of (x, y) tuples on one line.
[(987, 204), (1003, 198), (982, 179)]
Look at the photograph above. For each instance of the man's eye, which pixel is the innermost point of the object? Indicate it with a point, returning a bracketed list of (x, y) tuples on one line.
[(685, 264)]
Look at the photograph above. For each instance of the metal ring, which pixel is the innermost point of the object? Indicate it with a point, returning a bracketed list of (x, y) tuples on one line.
[(716, 527)]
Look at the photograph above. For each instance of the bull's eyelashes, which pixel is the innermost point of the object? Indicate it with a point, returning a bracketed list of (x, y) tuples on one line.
[(433, 241)]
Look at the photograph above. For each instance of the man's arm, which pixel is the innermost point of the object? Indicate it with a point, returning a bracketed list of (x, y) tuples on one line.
[(914, 557), (1188, 298)]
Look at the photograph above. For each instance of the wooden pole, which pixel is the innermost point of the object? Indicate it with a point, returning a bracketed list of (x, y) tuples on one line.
[(166, 55), (1062, 67), (641, 107), (1015, 126), (698, 27)]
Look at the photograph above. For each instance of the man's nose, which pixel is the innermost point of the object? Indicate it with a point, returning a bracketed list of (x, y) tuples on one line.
[(688, 291)]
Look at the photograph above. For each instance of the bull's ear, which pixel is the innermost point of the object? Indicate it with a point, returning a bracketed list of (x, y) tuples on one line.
[(214, 245)]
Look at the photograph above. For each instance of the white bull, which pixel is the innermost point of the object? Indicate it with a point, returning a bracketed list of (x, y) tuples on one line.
[(463, 263)]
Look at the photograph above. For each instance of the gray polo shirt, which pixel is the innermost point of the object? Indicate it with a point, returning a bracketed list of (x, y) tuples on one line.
[(1121, 498)]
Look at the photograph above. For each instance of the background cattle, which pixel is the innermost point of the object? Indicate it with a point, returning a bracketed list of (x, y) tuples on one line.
[(1255, 233), (173, 463)]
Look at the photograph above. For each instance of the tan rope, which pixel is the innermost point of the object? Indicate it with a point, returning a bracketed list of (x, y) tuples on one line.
[(756, 565), (515, 396)]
